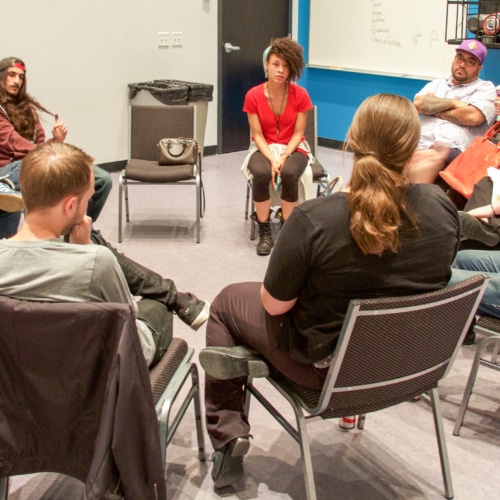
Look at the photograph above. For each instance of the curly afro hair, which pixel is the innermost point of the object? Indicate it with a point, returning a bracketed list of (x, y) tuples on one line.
[(291, 52)]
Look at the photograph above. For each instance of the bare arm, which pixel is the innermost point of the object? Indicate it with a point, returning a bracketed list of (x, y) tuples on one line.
[(298, 133), (486, 211), (467, 116), (273, 306), (429, 104), (452, 110), (258, 137)]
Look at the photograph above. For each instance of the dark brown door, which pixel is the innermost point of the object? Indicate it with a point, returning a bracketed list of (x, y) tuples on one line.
[(247, 25)]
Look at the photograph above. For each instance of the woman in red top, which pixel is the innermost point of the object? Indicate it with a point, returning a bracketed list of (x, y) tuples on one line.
[(277, 115)]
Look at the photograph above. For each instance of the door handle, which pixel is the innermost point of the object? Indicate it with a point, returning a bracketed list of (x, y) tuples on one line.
[(228, 47)]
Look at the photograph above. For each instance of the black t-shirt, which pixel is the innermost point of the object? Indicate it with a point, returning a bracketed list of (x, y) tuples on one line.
[(317, 260)]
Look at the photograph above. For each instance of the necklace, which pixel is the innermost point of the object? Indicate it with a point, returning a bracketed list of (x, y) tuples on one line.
[(277, 117)]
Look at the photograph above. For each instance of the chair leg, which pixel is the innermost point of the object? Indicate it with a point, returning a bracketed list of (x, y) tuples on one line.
[(4, 488), (248, 206), (470, 382), (361, 421), (494, 354), (198, 206), (443, 451), (127, 210), (248, 397), (328, 186), (197, 412), (302, 438), (305, 451), (253, 229), (299, 433), (120, 194), (247, 202)]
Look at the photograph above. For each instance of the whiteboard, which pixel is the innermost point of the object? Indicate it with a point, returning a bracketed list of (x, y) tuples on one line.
[(403, 38)]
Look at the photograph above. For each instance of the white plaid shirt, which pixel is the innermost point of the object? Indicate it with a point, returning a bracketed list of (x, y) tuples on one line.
[(479, 93)]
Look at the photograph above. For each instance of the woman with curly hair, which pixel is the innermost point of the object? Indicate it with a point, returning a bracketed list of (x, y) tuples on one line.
[(383, 237), (277, 115)]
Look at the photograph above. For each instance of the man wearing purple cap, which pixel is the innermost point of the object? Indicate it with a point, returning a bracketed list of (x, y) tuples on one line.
[(453, 111)]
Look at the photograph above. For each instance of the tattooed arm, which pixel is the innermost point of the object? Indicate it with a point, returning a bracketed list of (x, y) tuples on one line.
[(453, 110)]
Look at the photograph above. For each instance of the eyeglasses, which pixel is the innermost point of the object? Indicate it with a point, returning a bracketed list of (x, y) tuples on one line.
[(469, 61)]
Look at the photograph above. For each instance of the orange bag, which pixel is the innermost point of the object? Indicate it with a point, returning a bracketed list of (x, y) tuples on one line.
[(470, 166)]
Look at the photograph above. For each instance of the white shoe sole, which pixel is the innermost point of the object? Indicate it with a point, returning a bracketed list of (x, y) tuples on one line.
[(202, 317)]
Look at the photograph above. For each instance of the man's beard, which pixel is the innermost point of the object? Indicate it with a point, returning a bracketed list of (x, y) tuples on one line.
[(67, 229), (461, 78)]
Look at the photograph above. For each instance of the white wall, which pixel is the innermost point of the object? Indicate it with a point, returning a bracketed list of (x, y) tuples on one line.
[(81, 54)]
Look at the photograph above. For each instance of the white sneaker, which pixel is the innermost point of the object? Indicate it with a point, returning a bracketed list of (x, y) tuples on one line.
[(347, 423), (10, 200)]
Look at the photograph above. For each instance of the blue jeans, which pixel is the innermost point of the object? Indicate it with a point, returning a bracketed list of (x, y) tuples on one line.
[(9, 222), (470, 262), (102, 187)]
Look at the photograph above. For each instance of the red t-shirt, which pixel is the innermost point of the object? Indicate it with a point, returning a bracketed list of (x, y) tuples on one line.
[(256, 103)]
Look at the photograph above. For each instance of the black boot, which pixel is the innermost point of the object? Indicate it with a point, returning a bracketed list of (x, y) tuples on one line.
[(265, 239), (279, 216)]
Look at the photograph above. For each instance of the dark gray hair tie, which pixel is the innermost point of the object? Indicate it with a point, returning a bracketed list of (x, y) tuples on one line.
[(371, 154)]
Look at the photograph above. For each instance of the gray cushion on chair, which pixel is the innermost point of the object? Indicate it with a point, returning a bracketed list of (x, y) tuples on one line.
[(150, 171)]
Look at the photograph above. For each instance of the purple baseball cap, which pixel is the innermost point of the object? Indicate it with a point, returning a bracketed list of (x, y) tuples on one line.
[(474, 47)]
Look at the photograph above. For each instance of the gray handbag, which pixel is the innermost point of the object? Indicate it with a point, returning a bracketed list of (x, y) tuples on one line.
[(178, 151)]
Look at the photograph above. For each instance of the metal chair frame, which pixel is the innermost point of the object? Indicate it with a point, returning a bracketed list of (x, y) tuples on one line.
[(164, 405), (491, 328), (348, 389)]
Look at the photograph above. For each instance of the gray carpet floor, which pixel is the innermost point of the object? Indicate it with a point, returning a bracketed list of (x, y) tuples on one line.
[(394, 457)]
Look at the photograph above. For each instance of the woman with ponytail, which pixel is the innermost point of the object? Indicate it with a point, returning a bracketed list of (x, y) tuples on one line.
[(383, 237), (377, 194)]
